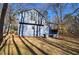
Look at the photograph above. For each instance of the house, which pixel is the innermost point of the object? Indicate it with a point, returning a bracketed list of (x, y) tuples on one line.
[(32, 22)]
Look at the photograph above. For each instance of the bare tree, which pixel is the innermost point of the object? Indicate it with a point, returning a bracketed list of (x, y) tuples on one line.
[(4, 9)]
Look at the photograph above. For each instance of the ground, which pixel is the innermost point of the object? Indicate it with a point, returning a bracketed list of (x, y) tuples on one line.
[(19, 45)]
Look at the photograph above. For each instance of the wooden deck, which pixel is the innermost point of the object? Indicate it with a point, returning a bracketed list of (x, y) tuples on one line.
[(15, 45)]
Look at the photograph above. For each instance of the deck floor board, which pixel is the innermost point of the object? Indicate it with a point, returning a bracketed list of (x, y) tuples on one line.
[(18, 45)]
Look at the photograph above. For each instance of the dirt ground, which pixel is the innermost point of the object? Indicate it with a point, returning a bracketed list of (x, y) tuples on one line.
[(18, 45)]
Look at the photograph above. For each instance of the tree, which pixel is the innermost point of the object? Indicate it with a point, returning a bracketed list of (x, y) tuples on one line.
[(58, 10), (3, 13)]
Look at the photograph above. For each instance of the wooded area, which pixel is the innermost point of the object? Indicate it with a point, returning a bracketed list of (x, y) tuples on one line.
[(31, 31)]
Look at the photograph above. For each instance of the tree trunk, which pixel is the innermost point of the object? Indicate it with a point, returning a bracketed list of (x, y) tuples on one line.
[(3, 13)]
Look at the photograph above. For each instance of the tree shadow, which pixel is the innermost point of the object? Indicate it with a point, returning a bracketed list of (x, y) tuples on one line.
[(4, 50), (11, 51), (56, 45), (35, 46), (18, 50), (4, 43), (71, 48), (27, 46), (71, 42), (9, 47)]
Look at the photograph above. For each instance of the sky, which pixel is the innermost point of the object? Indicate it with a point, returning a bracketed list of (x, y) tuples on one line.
[(44, 6)]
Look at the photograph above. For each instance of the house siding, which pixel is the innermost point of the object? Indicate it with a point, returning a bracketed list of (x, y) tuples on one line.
[(32, 16)]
